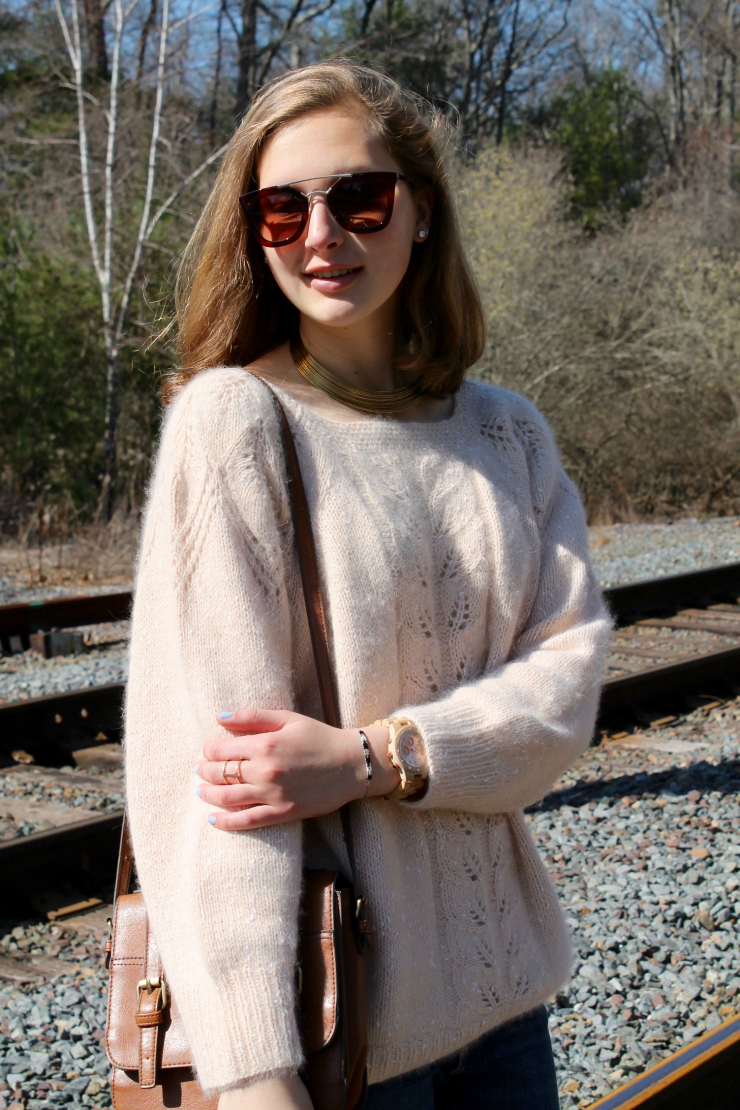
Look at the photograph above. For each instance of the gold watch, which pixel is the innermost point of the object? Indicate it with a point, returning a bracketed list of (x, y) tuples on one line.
[(406, 753)]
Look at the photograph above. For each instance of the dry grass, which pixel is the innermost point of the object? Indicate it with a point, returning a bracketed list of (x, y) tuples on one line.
[(629, 342), (91, 555)]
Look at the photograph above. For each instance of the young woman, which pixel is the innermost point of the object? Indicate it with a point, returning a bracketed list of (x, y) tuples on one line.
[(466, 629)]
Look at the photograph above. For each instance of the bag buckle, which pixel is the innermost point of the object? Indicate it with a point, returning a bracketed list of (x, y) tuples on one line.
[(364, 930), (149, 985), (108, 944)]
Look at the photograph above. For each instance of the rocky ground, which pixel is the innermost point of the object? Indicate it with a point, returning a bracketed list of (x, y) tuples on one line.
[(28, 675), (631, 552), (35, 799), (642, 839), (654, 915), (101, 560), (53, 997), (654, 918)]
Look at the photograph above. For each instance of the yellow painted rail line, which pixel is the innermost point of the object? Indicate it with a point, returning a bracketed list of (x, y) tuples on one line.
[(705, 1075)]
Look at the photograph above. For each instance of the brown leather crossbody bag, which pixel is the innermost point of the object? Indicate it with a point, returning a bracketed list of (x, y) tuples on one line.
[(145, 1035)]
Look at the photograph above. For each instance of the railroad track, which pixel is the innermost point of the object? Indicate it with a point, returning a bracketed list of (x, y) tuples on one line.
[(674, 636), (705, 1074)]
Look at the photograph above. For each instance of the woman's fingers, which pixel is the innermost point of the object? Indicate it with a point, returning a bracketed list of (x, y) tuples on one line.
[(254, 720), (237, 767), (255, 817), (241, 745), (230, 796)]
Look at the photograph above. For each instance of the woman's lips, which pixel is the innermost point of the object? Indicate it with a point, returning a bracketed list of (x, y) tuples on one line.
[(332, 280)]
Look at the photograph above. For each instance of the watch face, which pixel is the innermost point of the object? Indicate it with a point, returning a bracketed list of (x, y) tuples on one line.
[(411, 749)]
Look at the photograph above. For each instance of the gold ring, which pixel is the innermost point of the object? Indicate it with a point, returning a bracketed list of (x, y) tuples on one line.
[(230, 774), (239, 773)]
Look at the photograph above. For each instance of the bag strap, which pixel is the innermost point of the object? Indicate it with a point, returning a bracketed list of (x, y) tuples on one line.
[(317, 627)]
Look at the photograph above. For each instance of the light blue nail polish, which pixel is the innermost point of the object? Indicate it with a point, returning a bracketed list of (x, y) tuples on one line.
[(195, 772), (198, 791), (211, 820), (224, 716)]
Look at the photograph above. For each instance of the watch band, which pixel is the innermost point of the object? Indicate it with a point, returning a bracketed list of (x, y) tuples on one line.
[(412, 779)]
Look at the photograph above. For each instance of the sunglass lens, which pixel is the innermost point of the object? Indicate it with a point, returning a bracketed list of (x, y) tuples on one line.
[(277, 216), (363, 202)]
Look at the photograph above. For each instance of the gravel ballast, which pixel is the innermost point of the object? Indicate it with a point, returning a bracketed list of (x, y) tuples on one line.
[(36, 799), (643, 841), (29, 675), (642, 838), (620, 552), (624, 553)]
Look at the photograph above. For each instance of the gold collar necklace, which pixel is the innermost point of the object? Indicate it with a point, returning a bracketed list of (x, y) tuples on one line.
[(364, 400)]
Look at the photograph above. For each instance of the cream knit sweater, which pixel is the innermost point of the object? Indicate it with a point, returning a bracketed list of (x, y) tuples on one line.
[(458, 593)]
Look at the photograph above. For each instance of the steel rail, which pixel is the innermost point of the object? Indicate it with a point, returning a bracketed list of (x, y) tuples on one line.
[(668, 593), (706, 1073), (713, 670), (21, 619), (51, 727), (625, 602)]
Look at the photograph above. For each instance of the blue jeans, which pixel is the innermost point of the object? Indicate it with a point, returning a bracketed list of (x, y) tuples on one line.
[(511, 1068)]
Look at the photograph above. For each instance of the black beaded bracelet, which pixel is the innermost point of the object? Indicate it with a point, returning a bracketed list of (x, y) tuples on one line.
[(368, 759)]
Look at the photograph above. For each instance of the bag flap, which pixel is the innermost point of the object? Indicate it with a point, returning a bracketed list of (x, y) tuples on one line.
[(128, 967), (318, 960)]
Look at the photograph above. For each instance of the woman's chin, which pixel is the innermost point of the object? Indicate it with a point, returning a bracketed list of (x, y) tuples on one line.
[(334, 312)]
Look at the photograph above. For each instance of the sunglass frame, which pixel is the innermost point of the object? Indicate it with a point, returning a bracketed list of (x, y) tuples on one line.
[(246, 200)]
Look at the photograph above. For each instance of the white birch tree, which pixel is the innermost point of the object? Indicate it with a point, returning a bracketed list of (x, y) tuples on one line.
[(117, 264)]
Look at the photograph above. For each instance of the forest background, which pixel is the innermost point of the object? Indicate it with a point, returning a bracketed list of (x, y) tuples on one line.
[(597, 169)]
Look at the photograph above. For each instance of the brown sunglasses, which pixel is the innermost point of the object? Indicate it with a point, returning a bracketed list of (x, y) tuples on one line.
[(359, 202)]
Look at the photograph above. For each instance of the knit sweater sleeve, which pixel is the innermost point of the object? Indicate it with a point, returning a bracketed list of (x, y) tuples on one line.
[(498, 743), (211, 631)]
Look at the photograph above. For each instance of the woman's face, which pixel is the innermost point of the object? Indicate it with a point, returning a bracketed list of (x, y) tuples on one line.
[(335, 277)]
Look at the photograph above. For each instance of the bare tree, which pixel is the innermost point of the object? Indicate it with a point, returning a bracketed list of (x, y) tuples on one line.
[(95, 22), (146, 30), (475, 58), (697, 43), (262, 35), (115, 273)]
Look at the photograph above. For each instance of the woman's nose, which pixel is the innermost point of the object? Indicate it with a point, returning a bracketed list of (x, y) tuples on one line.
[(323, 230)]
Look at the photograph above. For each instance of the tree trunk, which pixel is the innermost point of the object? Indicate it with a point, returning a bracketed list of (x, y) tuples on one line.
[(213, 116), (246, 58), (94, 19), (110, 440), (506, 77), (676, 79), (146, 30)]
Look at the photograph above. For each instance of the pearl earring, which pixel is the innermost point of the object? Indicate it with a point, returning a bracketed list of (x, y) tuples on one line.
[(423, 233)]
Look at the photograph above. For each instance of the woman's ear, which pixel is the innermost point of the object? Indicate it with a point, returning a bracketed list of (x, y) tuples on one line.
[(424, 205)]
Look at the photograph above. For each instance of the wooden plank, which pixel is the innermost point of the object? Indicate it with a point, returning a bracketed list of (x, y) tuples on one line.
[(729, 613), (51, 726), (702, 1076), (646, 653), (689, 625)]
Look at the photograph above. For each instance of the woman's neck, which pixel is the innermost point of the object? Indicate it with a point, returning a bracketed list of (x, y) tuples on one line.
[(361, 356)]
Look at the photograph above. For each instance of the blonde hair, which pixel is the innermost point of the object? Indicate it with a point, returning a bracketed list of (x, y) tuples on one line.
[(229, 308)]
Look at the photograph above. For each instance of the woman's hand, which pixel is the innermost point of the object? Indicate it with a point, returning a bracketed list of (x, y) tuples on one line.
[(270, 1094), (292, 767)]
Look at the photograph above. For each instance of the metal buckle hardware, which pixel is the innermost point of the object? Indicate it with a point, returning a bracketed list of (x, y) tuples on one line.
[(149, 985), (108, 944)]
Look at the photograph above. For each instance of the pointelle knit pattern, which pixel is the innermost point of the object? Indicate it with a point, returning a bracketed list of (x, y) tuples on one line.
[(458, 592)]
